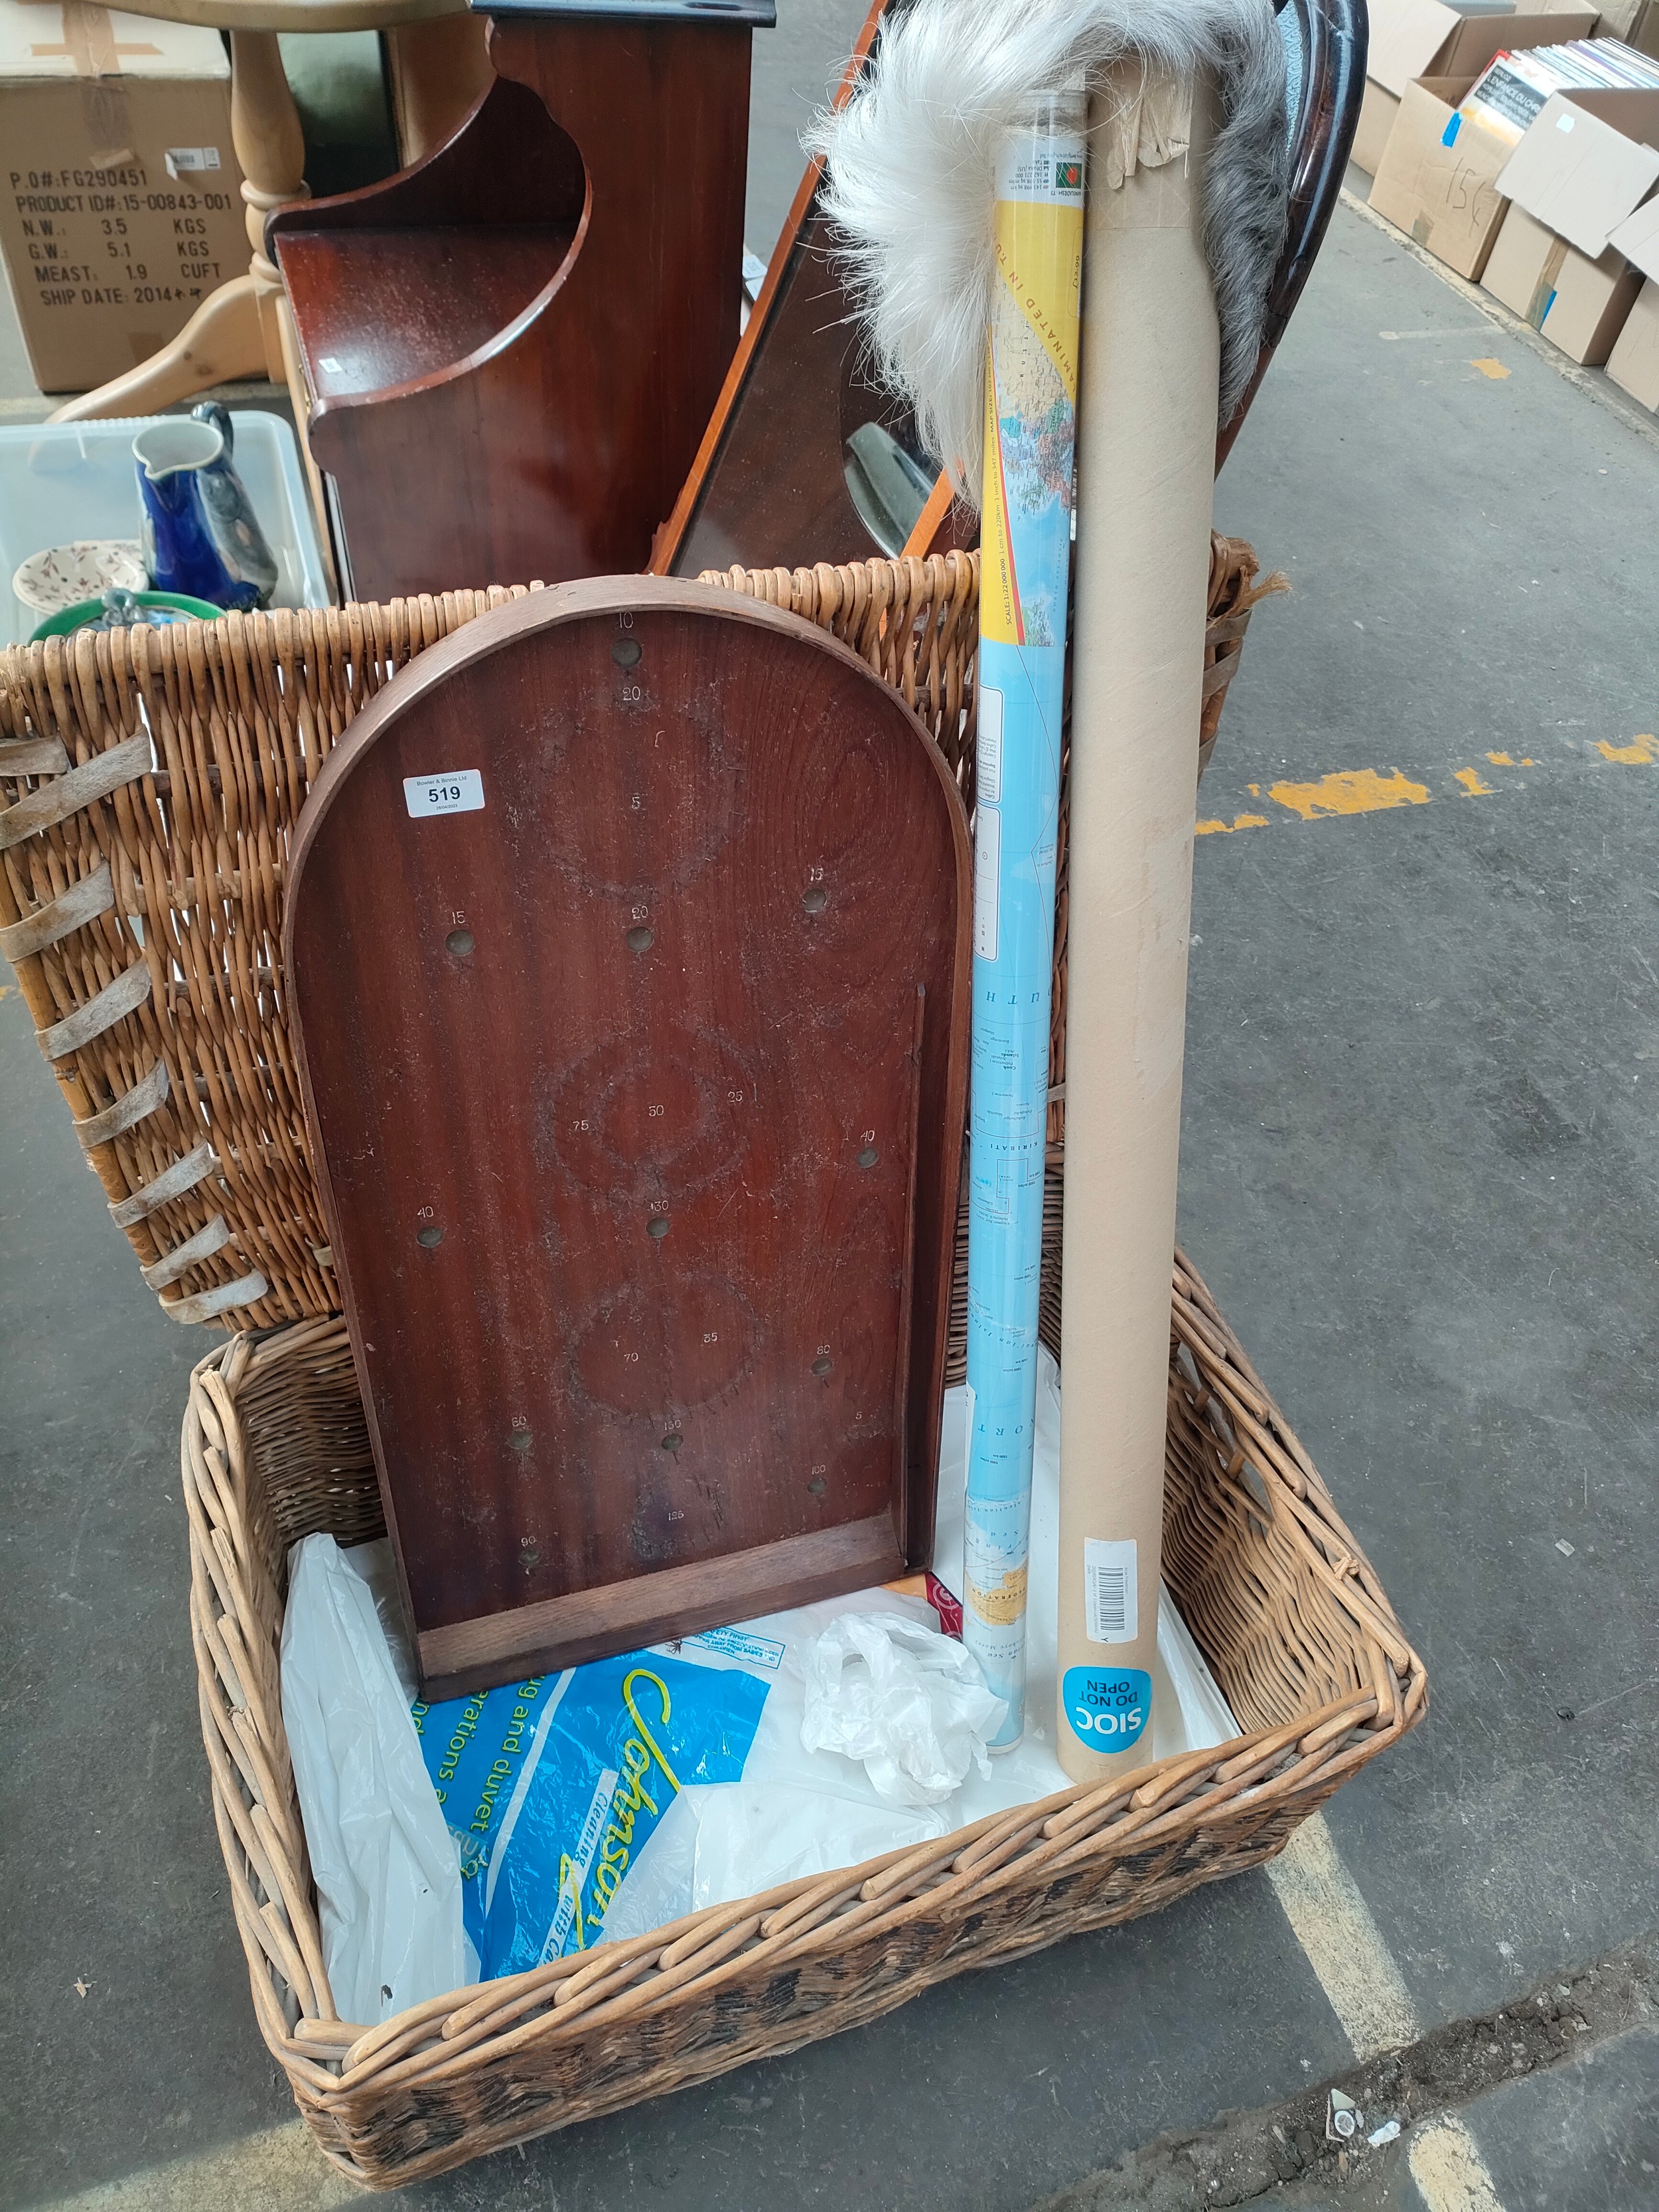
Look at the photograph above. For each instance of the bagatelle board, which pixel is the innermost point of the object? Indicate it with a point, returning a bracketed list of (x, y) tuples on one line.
[(627, 938)]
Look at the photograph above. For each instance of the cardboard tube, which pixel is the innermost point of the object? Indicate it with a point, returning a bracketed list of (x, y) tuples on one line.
[(1146, 415)]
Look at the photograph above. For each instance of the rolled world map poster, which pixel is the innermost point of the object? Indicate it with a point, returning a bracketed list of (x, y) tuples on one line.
[(1030, 412)]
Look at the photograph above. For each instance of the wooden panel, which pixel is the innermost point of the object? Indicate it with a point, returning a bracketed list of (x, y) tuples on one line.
[(670, 1602), (637, 1094), (442, 293), (525, 406)]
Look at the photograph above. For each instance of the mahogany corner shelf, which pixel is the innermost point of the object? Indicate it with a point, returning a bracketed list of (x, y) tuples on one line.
[(511, 349)]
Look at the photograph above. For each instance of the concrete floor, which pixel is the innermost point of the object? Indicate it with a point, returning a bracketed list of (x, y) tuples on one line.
[(1419, 1173)]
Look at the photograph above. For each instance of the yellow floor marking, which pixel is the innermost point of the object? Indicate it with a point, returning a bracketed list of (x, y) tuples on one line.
[(1370, 791), (1334, 1925), (1344, 1946), (1487, 367), (1448, 2169), (278, 2170), (1349, 791)]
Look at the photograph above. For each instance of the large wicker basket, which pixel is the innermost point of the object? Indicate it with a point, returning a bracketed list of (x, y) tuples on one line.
[(150, 782), (1291, 1617), (153, 782)]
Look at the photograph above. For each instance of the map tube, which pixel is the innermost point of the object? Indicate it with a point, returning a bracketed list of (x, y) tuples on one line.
[(1030, 412)]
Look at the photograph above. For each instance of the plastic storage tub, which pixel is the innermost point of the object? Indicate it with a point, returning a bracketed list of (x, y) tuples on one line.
[(63, 481)]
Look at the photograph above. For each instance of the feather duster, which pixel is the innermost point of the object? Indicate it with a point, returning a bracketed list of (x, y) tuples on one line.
[(910, 178)]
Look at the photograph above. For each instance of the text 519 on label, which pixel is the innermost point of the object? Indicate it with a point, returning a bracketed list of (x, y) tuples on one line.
[(450, 791)]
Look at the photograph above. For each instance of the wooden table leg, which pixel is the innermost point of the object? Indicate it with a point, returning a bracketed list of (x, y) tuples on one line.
[(237, 330), (265, 128)]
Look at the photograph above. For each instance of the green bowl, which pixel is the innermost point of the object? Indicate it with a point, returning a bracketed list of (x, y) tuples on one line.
[(89, 610)]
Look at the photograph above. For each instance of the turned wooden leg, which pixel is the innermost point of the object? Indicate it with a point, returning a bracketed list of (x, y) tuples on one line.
[(264, 128), (221, 341)]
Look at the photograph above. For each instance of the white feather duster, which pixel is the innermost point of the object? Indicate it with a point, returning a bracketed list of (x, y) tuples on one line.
[(910, 178)]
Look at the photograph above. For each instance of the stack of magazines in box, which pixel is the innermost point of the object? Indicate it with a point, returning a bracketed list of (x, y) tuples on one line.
[(1515, 86)]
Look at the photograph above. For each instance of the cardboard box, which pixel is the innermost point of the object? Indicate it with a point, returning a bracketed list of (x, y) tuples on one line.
[(1633, 364), (121, 204), (1410, 39), (1635, 22), (1585, 164), (1578, 304), (1438, 177), (1587, 161), (1377, 110), (1638, 238)]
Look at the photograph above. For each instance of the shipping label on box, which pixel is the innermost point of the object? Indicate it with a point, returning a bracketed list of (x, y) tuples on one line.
[(1438, 177), (120, 196)]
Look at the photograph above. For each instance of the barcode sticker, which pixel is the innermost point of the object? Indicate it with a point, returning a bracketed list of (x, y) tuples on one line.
[(988, 887), (1110, 1598), (452, 791), (183, 160), (988, 750)]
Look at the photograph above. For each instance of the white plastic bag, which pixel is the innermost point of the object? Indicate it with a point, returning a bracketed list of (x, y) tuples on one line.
[(909, 1703), (388, 1882)]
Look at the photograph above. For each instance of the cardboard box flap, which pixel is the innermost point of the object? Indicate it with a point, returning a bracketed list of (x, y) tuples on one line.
[(1448, 92), (1422, 37), (1478, 38), (1585, 162), (1638, 238), (1405, 35), (39, 39)]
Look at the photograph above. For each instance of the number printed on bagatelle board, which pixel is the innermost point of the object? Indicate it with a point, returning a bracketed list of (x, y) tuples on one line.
[(450, 791), (1110, 1599)]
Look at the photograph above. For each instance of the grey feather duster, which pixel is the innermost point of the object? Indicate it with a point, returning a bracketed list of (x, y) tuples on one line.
[(910, 178)]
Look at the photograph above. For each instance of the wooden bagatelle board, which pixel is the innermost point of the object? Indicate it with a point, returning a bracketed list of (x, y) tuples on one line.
[(627, 937)]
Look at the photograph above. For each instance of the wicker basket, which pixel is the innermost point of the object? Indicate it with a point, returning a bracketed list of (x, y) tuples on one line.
[(1289, 1614), (151, 781)]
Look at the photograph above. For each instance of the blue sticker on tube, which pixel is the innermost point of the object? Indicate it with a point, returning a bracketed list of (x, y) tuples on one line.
[(1107, 1707)]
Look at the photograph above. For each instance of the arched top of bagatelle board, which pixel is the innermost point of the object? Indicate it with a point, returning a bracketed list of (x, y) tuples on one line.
[(548, 608)]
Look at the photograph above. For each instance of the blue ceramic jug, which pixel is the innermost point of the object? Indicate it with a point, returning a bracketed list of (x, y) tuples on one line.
[(200, 536)]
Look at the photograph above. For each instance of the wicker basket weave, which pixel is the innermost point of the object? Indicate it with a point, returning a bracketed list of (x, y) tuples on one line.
[(1288, 1613), (141, 901), (150, 782)]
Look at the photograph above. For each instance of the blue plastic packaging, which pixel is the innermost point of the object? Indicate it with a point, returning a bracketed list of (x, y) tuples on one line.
[(551, 1787)]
